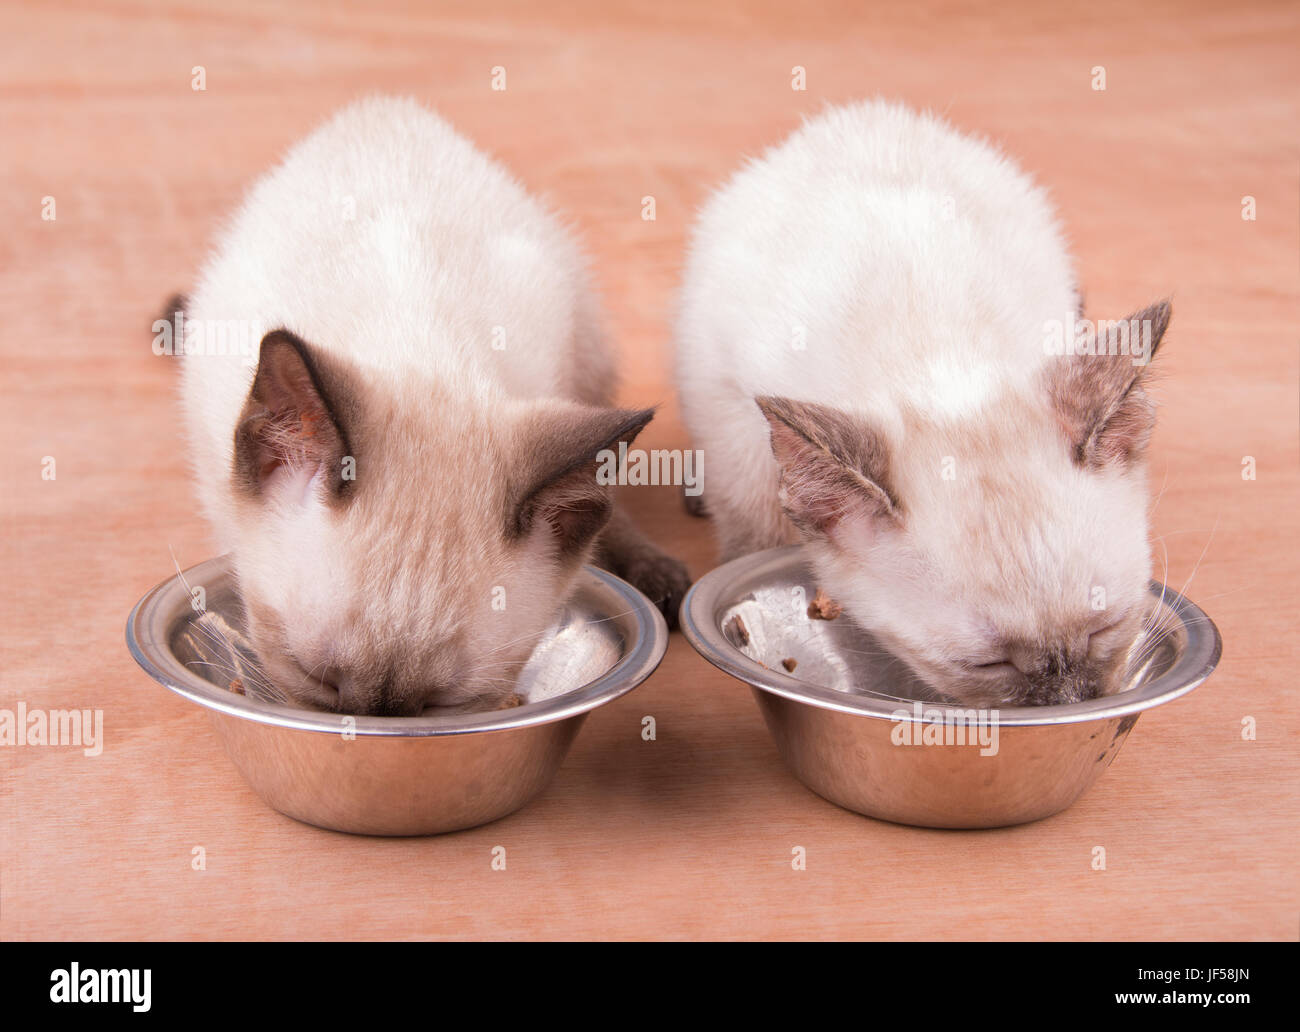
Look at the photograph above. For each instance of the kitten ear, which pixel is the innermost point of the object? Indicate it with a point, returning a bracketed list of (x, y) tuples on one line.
[(833, 465), (290, 420), (560, 487), (1100, 398)]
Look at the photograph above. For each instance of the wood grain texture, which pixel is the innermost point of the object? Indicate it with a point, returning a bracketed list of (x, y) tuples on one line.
[(690, 835)]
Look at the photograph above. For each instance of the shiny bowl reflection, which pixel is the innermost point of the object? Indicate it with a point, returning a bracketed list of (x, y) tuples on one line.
[(858, 729), (421, 775)]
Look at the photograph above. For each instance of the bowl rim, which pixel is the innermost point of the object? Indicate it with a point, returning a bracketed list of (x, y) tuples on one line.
[(702, 605), (155, 612)]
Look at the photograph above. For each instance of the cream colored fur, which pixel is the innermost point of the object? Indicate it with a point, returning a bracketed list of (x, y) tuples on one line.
[(388, 242), (883, 264)]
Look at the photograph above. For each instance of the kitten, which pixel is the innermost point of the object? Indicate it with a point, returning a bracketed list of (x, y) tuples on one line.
[(402, 460), (870, 353)]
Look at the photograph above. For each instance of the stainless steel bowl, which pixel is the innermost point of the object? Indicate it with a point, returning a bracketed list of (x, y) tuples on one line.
[(399, 775), (858, 730)]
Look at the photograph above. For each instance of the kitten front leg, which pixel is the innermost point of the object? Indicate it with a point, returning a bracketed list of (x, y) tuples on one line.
[(625, 551), (745, 512)]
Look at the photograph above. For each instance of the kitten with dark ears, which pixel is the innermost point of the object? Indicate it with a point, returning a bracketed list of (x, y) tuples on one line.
[(402, 463), (873, 352)]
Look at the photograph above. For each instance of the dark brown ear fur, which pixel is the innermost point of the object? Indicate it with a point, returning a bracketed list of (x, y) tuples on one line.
[(560, 485), (832, 464), (291, 418), (1100, 398)]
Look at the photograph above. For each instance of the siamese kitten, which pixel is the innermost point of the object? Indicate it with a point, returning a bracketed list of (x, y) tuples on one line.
[(401, 454), (877, 351)]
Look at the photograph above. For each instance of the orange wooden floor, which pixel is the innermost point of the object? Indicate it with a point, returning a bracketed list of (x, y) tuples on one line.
[(691, 835)]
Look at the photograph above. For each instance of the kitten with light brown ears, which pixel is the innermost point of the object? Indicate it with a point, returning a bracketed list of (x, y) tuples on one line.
[(876, 350), (401, 460)]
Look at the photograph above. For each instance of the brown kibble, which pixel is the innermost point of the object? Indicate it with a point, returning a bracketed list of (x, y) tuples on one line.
[(823, 607), (739, 629), (789, 665), (511, 702), (237, 686)]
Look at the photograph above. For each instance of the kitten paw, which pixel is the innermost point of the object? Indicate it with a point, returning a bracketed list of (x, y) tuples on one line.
[(657, 575)]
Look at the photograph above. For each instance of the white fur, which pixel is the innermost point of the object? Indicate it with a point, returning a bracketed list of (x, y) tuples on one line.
[(918, 267)]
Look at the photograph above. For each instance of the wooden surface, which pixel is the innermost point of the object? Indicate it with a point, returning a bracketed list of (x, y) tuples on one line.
[(690, 835)]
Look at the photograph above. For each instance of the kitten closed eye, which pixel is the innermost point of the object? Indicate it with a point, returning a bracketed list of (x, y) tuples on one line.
[(996, 666)]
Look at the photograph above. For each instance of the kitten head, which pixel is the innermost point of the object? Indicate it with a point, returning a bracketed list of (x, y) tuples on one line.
[(407, 546), (1004, 557)]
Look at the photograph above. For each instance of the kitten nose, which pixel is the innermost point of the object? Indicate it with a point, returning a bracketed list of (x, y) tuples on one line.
[(376, 697), (1070, 684), (396, 707), (1049, 663)]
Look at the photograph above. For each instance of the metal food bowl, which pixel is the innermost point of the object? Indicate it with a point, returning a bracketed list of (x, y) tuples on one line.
[(399, 775), (858, 729)]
